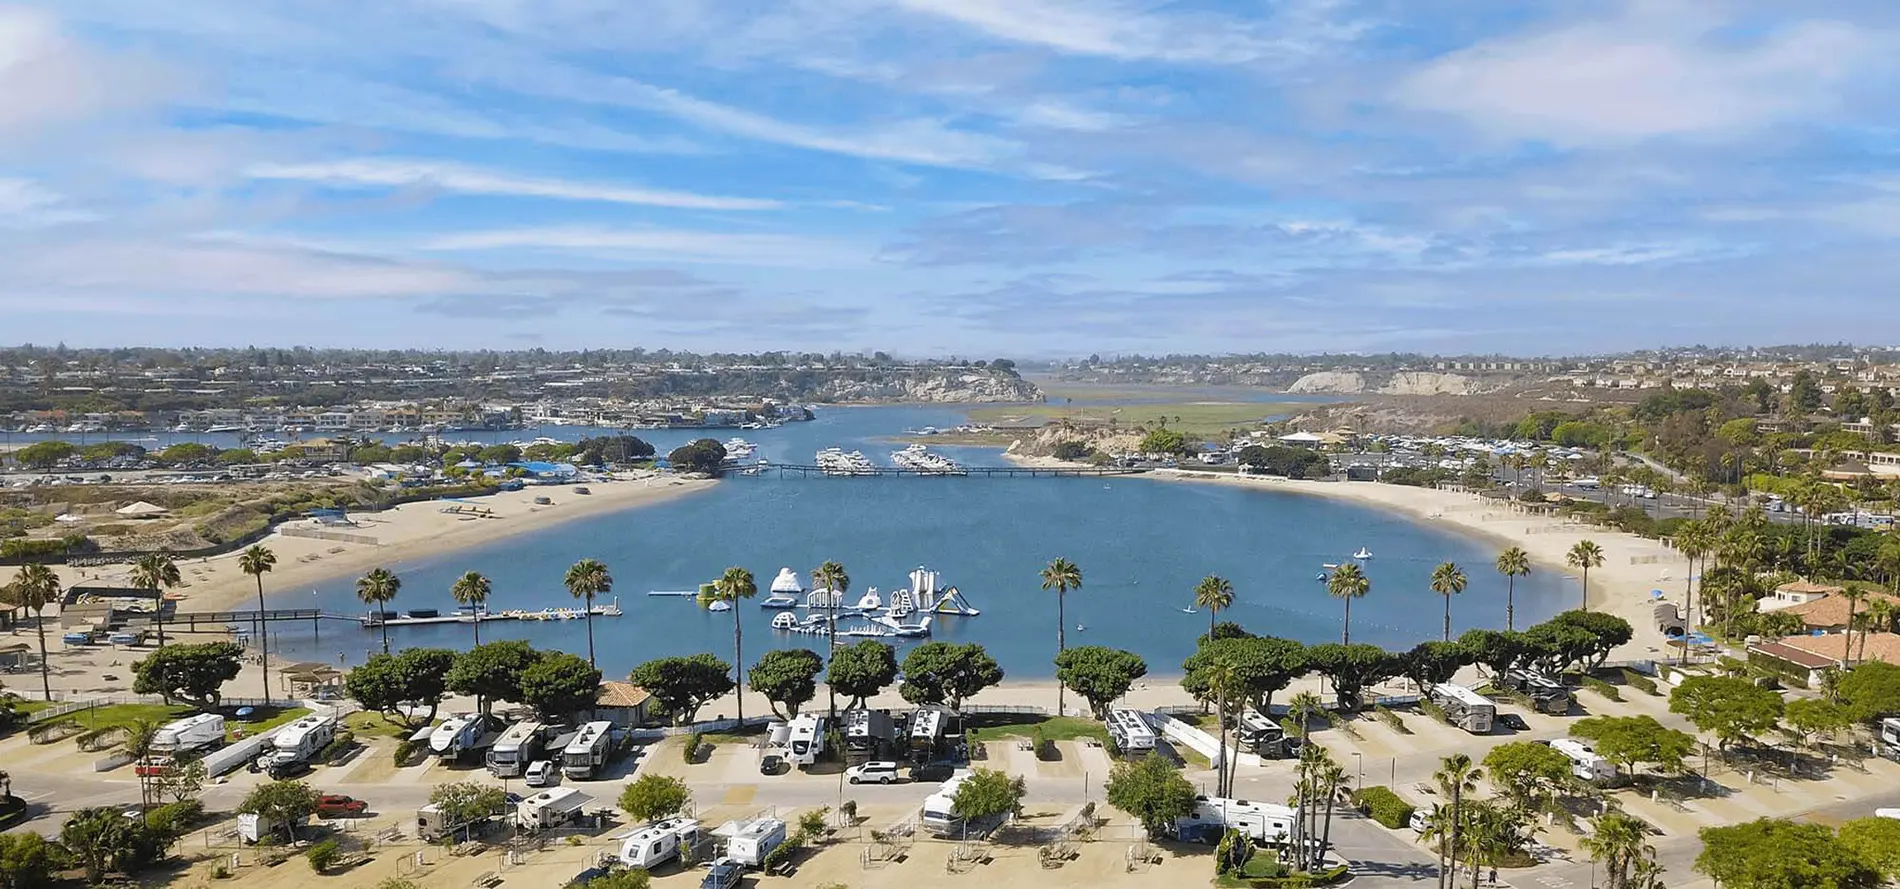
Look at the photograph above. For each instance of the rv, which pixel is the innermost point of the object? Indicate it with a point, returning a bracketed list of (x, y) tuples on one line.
[(550, 808), (1465, 708), (939, 816), (1129, 729), (864, 730), (432, 825), (300, 741), (1585, 762), (1267, 738), (1267, 824), (926, 732), (518, 746), (253, 828), (659, 843), (806, 742), (589, 750), (188, 735), (1547, 695), (456, 735), (1890, 737), (748, 842)]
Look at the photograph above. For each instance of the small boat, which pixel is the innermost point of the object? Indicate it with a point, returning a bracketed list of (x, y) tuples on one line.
[(720, 605), (1363, 554), (1190, 611), (784, 621), (1079, 628), (1322, 576), (1329, 565)]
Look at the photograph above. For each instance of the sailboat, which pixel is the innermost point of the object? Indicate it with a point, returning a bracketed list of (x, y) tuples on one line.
[(1363, 554), (1190, 610)]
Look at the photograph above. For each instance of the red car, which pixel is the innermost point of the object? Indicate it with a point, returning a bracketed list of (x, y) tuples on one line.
[(337, 805)]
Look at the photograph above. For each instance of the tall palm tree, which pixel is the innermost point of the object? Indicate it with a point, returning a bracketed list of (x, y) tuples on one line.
[(158, 573), (586, 579), (1301, 708), (139, 738), (1062, 576), (1585, 555), (1437, 833), (1513, 563), (1694, 542), (1214, 593), (1224, 680), (1348, 583), (1457, 776), (832, 578), (376, 589), (1448, 580), (34, 588), (472, 589), (732, 587), (1619, 842), (257, 561), (1854, 596)]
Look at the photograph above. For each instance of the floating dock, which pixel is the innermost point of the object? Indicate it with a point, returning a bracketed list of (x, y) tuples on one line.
[(412, 619)]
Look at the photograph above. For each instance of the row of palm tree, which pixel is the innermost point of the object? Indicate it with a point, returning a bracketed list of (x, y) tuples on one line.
[(1349, 582)]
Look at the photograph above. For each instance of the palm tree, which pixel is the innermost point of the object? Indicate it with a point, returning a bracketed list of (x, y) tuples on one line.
[(832, 578), (1348, 582), (1694, 541), (257, 561), (139, 736), (732, 587), (1301, 708), (1619, 842), (586, 579), (472, 589), (1448, 580), (157, 572), (1223, 679), (1585, 555), (1062, 576), (1216, 594), (1456, 777), (1513, 563), (376, 589), (34, 588), (1854, 596), (1331, 776), (1438, 830)]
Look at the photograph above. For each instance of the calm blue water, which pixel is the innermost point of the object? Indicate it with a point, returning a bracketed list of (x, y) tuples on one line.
[(1142, 545)]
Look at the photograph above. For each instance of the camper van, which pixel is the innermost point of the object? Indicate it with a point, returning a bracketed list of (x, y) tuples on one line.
[(938, 816), (518, 746), (456, 735), (1547, 695), (748, 842), (1585, 762), (299, 741), (1465, 708), (433, 825), (1267, 824), (926, 732), (865, 730), (1130, 731), (589, 750), (189, 735), (806, 742), (550, 808), (657, 844)]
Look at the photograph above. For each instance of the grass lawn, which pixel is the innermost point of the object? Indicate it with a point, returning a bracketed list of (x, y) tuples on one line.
[(30, 706), (127, 714), (1195, 418), (1054, 728), (366, 725)]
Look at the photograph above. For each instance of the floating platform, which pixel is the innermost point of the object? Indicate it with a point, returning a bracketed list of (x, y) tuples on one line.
[(413, 619)]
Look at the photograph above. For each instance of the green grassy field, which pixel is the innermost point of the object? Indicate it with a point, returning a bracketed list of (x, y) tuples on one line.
[(1195, 418), (116, 715), (1054, 728), (365, 724)]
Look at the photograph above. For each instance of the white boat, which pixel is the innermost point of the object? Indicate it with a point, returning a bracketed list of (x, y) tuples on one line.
[(1190, 611), (1363, 554), (784, 621), (1329, 565), (720, 605)]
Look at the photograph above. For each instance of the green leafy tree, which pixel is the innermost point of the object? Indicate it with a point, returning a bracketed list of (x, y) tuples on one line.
[(733, 587), (1871, 690), (1770, 853), (683, 684), (1607, 631), (1554, 647), (1215, 594), (28, 861), (1875, 841), (862, 671), (584, 580), (472, 590), (1457, 778), (377, 589), (1100, 675), (490, 672), (1448, 580), (284, 803), (1619, 842), (788, 678), (1346, 583), (1430, 663), (1583, 556), (34, 588), (190, 673), (1529, 775), (1630, 740), (388, 683), (157, 572), (1497, 650), (1164, 441), (947, 673), (1811, 718), (988, 793), (652, 797), (468, 803), (1728, 707), (1152, 790), (1060, 575), (102, 841), (1263, 664), (1351, 668), (44, 454), (620, 878), (560, 685), (703, 455)]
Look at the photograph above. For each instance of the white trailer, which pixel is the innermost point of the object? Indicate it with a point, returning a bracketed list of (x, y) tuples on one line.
[(432, 825), (585, 755), (939, 814), (658, 843), (188, 735), (518, 746), (1465, 708), (864, 730), (1267, 824), (550, 808), (253, 828), (748, 842), (1890, 737), (300, 741), (807, 741), (456, 735), (1585, 762), (1130, 731), (926, 731)]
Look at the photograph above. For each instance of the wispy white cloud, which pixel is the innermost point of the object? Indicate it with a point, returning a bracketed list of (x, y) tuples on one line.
[(46, 78), (1116, 30), (377, 173), (675, 245)]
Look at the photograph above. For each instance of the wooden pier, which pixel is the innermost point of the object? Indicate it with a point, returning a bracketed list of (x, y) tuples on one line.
[(784, 469)]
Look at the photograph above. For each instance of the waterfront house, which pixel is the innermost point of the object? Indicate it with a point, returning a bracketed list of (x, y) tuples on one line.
[(622, 703), (1799, 592), (1829, 614)]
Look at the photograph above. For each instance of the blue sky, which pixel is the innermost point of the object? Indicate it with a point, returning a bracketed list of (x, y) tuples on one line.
[(1022, 177)]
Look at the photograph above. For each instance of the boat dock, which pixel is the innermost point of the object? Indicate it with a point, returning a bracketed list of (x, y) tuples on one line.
[(784, 469), (427, 617)]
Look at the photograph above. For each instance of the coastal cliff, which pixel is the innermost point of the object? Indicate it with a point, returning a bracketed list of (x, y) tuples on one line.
[(935, 387), (1400, 383)]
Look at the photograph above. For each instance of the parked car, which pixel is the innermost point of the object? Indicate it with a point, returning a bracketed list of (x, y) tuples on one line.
[(1513, 722), (541, 773), (337, 805), (725, 874), (287, 768), (879, 772), (773, 764)]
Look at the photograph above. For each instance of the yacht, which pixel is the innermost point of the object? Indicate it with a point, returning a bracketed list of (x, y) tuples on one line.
[(738, 449), (920, 458)]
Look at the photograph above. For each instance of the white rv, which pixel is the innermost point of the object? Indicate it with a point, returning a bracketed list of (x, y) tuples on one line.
[(456, 735), (748, 842), (926, 731), (191, 734), (550, 808), (518, 746), (1465, 708), (1267, 824), (300, 741), (1585, 762), (865, 729), (1130, 731), (939, 816), (806, 742), (658, 843), (432, 825), (588, 751)]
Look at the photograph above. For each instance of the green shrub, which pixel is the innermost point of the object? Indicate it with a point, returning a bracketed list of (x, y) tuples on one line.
[(175, 819), (344, 742), (783, 854), (322, 855), (1430, 708), (691, 751), (405, 751), (1392, 720), (1384, 806), (1638, 681), (1603, 688)]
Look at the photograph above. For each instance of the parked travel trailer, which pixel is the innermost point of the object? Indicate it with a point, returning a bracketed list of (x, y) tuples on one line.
[(655, 845), (1585, 762), (432, 825), (300, 741), (1267, 824), (864, 730), (589, 750), (1465, 708), (519, 745), (938, 816), (550, 808), (1266, 737), (191, 734), (253, 828), (1890, 737), (748, 842), (1547, 695), (927, 726), (456, 735), (806, 742), (1130, 731)]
